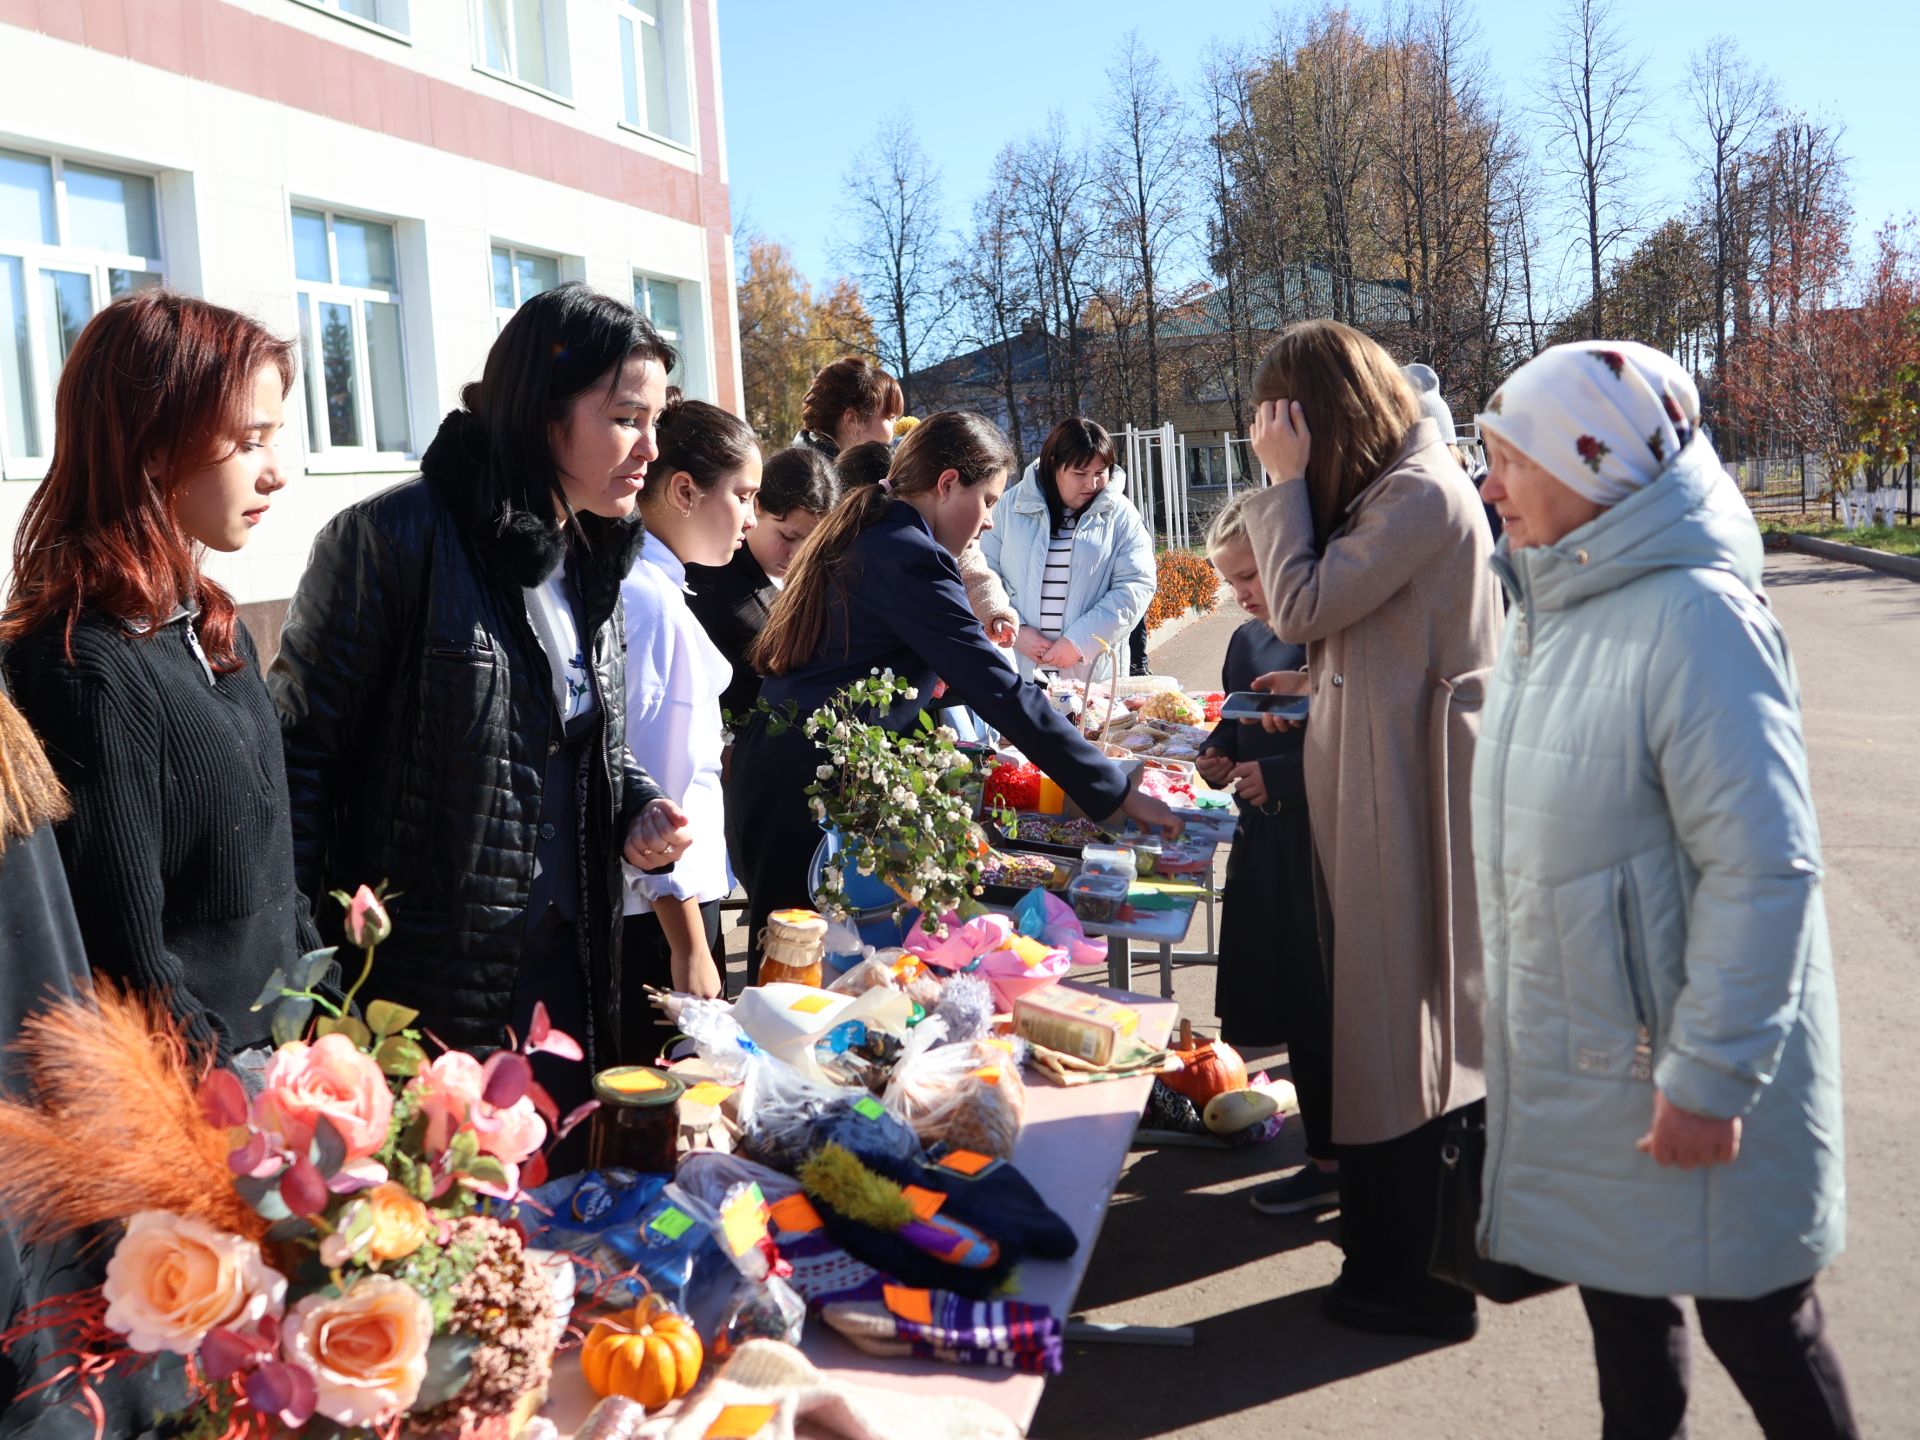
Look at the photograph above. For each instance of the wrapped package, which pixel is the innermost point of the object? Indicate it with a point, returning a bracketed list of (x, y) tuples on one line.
[(968, 1095)]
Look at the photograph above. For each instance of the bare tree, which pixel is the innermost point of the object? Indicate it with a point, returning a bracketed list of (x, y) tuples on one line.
[(1228, 254), (1056, 192), (995, 286), (897, 249), (1146, 176), (1731, 100), (1591, 101)]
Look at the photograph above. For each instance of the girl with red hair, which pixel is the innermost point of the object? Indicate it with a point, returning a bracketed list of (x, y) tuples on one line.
[(134, 669)]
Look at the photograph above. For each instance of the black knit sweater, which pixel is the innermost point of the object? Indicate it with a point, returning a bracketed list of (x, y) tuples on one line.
[(178, 852)]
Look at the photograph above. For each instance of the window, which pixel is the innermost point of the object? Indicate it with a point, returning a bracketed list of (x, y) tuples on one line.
[(390, 15), (519, 275), (525, 40), (653, 68), (659, 301), (353, 360), (72, 238)]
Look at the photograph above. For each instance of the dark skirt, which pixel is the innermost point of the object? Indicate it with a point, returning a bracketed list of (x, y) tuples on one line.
[(1267, 925), (771, 832), (646, 958)]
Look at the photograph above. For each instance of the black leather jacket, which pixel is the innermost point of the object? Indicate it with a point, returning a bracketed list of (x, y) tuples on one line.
[(417, 713)]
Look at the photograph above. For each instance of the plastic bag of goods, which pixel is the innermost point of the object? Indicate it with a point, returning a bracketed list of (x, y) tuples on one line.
[(969, 1095)]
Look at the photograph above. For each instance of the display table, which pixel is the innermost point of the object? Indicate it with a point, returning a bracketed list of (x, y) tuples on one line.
[(1072, 1149), (1167, 928)]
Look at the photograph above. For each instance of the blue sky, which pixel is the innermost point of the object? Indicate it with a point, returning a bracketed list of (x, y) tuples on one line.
[(807, 81)]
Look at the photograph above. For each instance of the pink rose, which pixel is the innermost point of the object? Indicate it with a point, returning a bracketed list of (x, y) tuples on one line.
[(366, 1349), (331, 1077), (452, 1095), (367, 923), (173, 1279)]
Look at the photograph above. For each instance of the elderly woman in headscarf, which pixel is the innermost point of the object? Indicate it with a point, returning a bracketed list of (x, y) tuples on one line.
[(1662, 1047)]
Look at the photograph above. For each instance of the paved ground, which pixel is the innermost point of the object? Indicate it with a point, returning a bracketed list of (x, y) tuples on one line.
[(1182, 1248)]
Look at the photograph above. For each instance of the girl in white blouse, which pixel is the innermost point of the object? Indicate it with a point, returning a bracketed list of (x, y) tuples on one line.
[(698, 506)]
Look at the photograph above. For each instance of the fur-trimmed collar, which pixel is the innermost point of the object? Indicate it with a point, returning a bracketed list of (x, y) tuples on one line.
[(519, 533)]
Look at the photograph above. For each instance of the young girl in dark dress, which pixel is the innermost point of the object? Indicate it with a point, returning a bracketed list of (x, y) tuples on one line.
[(1273, 985)]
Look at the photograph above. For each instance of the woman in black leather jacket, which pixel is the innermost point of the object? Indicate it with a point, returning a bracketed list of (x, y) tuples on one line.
[(451, 690)]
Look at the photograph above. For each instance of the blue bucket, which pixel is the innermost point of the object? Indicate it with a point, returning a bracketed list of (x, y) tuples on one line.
[(872, 900)]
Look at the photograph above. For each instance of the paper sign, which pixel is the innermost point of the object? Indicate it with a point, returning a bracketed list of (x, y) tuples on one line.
[(966, 1162), (672, 1223), (870, 1108), (708, 1092), (914, 1305), (924, 1203), (636, 1082), (739, 1422), (810, 1004), (795, 1215), (743, 1220)]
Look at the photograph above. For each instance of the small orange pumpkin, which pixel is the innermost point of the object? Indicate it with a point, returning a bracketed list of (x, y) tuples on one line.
[(650, 1353), (1209, 1068)]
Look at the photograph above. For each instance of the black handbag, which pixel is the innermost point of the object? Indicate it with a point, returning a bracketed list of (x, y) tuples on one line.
[(1456, 1250)]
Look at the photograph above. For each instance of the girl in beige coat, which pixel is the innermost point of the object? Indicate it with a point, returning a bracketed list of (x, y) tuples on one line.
[(1374, 554)]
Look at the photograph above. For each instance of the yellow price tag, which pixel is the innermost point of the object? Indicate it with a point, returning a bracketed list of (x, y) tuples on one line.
[(708, 1092), (740, 1422), (743, 1220), (634, 1082), (811, 1004)]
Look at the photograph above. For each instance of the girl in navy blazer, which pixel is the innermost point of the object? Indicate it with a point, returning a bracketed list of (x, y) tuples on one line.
[(876, 587)]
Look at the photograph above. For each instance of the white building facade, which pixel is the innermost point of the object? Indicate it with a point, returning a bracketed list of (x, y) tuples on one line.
[(384, 179)]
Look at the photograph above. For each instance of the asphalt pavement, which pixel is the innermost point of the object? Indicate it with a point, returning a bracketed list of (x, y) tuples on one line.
[(1182, 1248)]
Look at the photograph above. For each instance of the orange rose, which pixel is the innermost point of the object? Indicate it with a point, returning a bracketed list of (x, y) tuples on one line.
[(366, 1350), (400, 1223)]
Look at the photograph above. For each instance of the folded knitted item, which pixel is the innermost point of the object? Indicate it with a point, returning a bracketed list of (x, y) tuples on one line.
[(770, 1391), (990, 1195), (934, 1325), (901, 1234)]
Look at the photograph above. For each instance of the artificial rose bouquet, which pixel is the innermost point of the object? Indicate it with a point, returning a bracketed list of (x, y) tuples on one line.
[(316, 1255)]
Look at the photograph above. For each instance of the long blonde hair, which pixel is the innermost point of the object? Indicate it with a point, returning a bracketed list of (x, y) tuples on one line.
[(1358, 408), (30, 793), (956, 440)]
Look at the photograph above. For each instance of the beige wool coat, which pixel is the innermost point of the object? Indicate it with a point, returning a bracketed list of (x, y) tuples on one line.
[(1400, 614)]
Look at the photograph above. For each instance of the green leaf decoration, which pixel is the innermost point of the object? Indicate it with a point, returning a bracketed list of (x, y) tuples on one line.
[(488, 1170), (400, 1057), (449, 1364), (311, 969), (384, 1017), (263, 1194), (463, 1152), (290, 1018), (270, 992)]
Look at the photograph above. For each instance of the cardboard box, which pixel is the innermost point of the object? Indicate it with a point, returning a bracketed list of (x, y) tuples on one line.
[(1074, 1022)]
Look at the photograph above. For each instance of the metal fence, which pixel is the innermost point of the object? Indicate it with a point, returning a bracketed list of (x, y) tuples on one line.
[(1798, 485)]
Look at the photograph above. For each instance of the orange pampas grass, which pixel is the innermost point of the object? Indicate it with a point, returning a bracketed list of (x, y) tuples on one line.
[(114, 1126)]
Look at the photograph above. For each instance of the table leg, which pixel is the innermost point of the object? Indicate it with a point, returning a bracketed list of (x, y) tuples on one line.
[(1166, 970), (1119, 962)]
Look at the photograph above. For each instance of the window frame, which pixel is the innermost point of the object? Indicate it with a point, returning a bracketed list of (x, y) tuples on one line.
[(675, 39), (553, 18), (402, 33), (514, 252), (308, 297), (37, 258), (643, 280)]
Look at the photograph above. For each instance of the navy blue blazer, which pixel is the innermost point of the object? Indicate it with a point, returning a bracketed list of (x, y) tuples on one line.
[(1253, 651), (905, 609)]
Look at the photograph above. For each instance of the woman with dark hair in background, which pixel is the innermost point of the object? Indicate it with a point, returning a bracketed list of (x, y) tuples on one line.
[(876, 588), (137, 674), (1077, 562), (451, 683), (850, 401), (1373, 554), (797, 486), (697, 507)]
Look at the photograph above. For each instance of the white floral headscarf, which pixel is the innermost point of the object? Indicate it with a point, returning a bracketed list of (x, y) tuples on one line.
[(1603, 417)]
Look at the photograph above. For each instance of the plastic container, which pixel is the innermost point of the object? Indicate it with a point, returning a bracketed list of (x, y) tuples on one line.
[(1146, 851), (1109, 860), (1098, 898)]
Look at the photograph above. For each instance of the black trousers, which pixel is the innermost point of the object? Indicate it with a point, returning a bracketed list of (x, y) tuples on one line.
[(1389, 1206), (1137, 649), (1775, 1347), (646, 958), (771, 832), (551, 974)]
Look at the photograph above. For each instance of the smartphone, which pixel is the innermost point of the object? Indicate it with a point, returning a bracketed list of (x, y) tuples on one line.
[(1256, 704)]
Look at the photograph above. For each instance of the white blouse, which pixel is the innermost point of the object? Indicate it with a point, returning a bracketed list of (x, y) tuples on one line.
[(675, 678)]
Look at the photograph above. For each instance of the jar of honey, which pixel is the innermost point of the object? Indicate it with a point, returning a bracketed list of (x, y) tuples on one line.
[(793, 948), (637, 1126)]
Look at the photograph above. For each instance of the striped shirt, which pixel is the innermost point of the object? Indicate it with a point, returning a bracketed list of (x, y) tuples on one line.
[(1053, 583)]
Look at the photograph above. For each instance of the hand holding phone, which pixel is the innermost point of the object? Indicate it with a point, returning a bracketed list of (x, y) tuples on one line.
[(1254, 707)]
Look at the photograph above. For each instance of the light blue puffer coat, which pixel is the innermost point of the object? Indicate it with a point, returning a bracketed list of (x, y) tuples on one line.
[(1650, 901), (1112, 582)]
